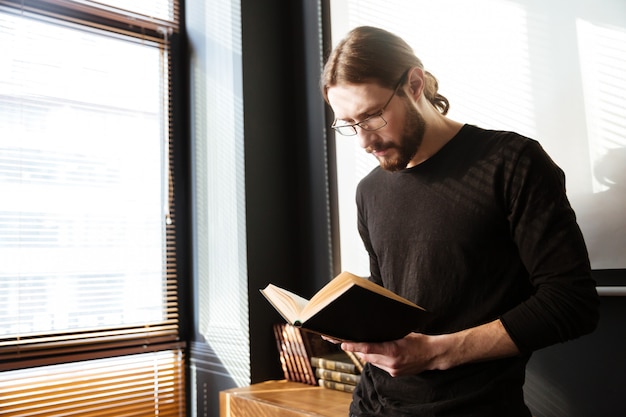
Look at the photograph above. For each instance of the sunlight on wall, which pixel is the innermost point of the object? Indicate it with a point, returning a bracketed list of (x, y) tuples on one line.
[(604, 85), (219, 205), (601, 209), (552, 71), (477, 71)]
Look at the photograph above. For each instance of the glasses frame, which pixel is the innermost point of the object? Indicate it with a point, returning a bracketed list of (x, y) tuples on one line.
[(363, 123)]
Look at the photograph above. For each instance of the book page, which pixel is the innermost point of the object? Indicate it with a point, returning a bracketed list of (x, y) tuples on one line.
[(366, 283), (329, 292), (340, 284), (288, 304)]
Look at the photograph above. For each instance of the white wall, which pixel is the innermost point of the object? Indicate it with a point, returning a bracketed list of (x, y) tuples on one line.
[(551, 70)]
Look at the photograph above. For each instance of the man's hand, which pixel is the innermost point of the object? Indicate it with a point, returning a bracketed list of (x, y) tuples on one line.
[(410, 355), (418, 352)]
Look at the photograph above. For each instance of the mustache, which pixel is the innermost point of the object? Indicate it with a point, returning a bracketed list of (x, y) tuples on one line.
[(378, 147)]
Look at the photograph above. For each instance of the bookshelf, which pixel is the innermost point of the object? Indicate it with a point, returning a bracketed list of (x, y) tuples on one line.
[(283, 399)]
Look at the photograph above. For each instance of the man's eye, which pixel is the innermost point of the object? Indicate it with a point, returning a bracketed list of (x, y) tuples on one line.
[(366, 120)]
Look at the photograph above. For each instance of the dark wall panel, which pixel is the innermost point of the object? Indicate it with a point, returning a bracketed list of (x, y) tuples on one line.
[(585, 377)]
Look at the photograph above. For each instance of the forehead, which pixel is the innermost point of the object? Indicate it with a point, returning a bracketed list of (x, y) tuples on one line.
[(353, 101)]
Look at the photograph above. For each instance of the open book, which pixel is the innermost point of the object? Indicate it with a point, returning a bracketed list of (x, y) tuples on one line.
[(349, 308)]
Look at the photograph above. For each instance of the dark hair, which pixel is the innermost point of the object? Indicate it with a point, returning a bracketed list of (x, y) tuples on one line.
[(369, 54)]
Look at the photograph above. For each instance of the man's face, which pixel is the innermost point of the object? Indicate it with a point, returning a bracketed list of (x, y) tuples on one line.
[(395, 144)]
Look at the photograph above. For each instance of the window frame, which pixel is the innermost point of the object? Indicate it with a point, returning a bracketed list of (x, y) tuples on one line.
[(167, 334)]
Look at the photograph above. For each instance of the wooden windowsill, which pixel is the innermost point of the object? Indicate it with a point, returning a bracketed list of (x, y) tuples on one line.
[(283, 399)]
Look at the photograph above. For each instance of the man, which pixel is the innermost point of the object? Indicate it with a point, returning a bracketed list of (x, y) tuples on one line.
[(473, 225)]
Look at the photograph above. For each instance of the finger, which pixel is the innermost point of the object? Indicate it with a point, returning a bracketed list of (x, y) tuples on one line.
[(367, 348), (331, 340)]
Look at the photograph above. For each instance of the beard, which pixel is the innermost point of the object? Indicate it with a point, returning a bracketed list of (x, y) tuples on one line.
[(411, 140)]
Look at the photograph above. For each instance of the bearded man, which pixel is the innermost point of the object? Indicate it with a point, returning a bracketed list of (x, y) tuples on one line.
[(474, 225)]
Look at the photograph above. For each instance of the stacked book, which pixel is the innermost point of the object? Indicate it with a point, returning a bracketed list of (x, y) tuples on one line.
[(338, 370), (305, 357), (296, 347), (295, 350)]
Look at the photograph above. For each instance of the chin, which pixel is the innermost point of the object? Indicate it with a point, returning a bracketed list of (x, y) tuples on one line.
[(392, 166)]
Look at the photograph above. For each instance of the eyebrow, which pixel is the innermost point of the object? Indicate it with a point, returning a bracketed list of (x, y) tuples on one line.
[(364, 115), (361, 116)]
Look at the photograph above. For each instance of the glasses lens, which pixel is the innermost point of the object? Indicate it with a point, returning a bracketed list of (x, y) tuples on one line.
[(373, 123), (345, 130)]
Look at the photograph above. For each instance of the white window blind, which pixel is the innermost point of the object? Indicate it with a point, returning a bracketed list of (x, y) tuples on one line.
[(88, 286), (87, 243)]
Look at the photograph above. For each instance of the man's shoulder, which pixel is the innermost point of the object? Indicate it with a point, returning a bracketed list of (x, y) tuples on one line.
[(472, 145), (497, 145), (375, 176), (500, 138)]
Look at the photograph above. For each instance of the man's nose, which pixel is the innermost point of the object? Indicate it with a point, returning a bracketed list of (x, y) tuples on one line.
[(365, 137)]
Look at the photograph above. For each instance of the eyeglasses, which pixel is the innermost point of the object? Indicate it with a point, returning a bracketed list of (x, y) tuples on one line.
[(372, 122)]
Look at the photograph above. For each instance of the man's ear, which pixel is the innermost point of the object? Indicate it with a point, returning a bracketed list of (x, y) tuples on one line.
[(416, 82)]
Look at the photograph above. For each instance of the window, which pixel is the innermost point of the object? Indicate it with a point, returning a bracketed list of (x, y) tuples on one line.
[(87, 221)]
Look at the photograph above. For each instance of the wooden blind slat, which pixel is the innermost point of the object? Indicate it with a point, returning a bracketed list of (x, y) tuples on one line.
[(109, 387)]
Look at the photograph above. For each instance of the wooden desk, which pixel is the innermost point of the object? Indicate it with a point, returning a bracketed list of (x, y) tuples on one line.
[(283, 399)]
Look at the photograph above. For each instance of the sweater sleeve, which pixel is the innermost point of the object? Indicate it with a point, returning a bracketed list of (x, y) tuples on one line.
[(565, 303)]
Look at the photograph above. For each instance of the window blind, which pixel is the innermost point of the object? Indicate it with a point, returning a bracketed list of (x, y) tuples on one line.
[(149, 384), (87, 242)]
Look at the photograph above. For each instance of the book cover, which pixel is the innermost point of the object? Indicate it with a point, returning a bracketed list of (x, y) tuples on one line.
[(295, 347), (336, 361), (336, 385), (285, 356), (349, 308), (337, 376), (300, 355)]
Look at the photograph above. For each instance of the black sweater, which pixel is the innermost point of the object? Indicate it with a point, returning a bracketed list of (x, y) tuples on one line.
[(481, 230)]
